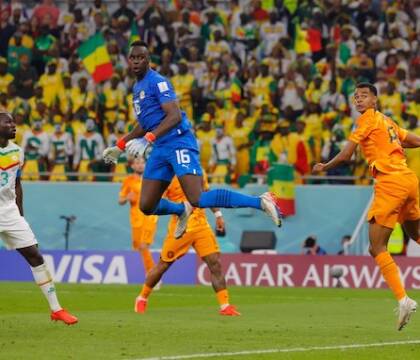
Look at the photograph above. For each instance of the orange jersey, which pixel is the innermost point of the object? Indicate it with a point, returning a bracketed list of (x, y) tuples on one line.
[(380, 140), (132, 184), (198, 218)]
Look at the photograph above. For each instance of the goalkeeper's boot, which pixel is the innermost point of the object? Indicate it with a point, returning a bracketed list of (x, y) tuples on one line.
[(229, 310), (181, 225), (405, 309), (64, 316), (269, 203), (140, 305)]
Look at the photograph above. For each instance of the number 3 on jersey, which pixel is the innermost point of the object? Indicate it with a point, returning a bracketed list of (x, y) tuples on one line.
[(182, 156), (4, 178)]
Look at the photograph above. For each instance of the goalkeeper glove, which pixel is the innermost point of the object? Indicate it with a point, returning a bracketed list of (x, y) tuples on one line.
[(137, 147)]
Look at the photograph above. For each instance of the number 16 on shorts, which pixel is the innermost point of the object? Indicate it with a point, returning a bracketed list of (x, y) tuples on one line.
[(182, 156)]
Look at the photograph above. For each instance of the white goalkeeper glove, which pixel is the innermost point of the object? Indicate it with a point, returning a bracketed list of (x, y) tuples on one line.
[(137, 147), (111, 154)]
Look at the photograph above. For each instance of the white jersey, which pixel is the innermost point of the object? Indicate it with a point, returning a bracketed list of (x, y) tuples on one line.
[(14, 230), (11, 163)]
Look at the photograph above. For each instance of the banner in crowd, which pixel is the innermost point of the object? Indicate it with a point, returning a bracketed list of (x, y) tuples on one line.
[(95, 267), (309, 271)]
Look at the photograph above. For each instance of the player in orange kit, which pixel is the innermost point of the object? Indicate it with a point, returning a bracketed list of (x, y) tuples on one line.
[(396, 186), (200, 236), (143, 228)]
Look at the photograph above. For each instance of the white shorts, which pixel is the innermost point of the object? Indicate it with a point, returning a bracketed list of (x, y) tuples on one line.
[(15, 231)]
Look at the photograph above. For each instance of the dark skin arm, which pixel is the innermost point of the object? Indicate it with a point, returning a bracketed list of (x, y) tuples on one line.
[(411, 141), (342, 156), (19, 195), (137, 132)]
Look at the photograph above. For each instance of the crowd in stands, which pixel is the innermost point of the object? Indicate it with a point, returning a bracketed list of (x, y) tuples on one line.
[(263, 81)]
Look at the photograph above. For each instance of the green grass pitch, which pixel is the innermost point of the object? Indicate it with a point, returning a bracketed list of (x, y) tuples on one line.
[(183, 320)]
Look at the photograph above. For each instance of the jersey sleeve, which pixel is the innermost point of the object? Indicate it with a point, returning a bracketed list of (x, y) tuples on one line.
[(362, 130), (164, 90), (125, 188), (401, 133)]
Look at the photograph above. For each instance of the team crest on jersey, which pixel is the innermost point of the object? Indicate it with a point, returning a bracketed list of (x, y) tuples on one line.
[(142, 95), (137, 109)]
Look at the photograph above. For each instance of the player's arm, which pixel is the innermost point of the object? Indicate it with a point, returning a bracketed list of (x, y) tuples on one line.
[(411, 141), (19, 194), (342, 156), (137, 132)]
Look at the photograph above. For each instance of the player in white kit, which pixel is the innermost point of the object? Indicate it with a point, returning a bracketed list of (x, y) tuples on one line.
[(14, 230)]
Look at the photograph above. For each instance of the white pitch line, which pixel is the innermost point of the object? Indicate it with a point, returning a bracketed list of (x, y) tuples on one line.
[(272, 351)]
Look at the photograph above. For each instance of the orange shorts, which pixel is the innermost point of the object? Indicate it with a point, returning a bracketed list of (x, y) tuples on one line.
[(202, 239), (396, 199), (142, 235)]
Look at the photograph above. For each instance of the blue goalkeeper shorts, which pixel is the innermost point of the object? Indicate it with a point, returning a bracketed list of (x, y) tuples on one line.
[(177, 156)]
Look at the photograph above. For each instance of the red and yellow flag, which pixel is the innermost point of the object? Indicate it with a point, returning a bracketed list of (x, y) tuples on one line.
[(281, 182), (95, 57)]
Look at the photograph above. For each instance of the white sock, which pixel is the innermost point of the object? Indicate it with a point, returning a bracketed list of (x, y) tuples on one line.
[(44, 281), (224, 306), (403, 300)]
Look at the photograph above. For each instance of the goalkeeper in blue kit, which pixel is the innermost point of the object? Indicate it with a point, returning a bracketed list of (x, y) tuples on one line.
[(163, 125)]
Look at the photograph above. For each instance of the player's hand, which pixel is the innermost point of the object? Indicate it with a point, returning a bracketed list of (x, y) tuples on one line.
[(131, 197), (318, 168), (220, 224), (137, 147), (111, 154)]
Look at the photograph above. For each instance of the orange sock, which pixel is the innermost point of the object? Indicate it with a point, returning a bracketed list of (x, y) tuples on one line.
[(223, 297), (146, 291), (147, 259), (390, 273)]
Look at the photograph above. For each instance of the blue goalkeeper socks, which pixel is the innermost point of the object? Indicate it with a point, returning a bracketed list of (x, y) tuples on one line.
[(166, 207), (228, 199)]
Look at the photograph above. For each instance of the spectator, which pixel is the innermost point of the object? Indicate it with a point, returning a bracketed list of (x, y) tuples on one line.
[(25, 77), (345, 242), (124, 10), (223, 157), (88, 151), (310, 247), (5, 77), (47, 13)]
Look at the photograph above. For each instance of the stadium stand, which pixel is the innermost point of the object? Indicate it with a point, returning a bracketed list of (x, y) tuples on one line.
[(263, 81)]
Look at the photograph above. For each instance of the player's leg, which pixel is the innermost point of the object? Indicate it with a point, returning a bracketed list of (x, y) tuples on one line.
[(147, 257), (45, 282), (412, 228), (152, 278), (219, 284), (142, 238), (378, 237), (157, 176), (205, 245)]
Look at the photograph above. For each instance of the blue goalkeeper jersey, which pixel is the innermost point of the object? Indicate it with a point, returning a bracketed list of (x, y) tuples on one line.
[(149, 94)]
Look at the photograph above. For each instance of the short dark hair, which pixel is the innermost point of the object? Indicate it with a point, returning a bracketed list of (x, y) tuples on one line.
[(372, 88), (139, 43), (310, 241), (6, 114)]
